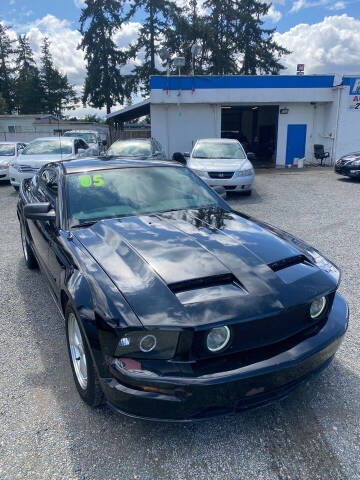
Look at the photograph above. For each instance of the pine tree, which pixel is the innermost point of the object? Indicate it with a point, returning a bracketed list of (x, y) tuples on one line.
[(237, 41), (104, 84), (159, 17), (57, 92), (3, 105), (6, 71), (28, 91)]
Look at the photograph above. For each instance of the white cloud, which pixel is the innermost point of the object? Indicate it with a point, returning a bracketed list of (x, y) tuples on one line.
[(300, 4), (64, 41), (337, 6), (79, 3), (330, 46), (273, 14)]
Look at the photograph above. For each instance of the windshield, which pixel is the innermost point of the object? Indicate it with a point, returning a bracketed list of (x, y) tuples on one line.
[(7, 150), (88, 137), (231, 150), (133, 191), (130, 148), (48, 147)]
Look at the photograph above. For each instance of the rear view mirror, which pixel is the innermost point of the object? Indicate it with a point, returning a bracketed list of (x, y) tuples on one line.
[(39, 211), (220, 190), (179, 157)]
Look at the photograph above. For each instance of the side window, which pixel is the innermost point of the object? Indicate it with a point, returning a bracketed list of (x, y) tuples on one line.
[(83, 144), (77, 145)]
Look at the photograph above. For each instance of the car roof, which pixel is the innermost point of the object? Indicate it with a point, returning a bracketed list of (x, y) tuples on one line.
[(54, 138), (218, 140), (82, 131), (131, 139), (9, 143), (89, 164)]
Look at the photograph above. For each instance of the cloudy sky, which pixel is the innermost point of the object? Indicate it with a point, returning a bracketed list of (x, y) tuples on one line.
[(322, 34)]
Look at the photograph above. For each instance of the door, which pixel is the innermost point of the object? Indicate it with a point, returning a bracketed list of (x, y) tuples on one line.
[(296, 142)]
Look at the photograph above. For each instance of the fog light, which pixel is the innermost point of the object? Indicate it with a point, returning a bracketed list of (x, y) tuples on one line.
[(147, 343), (317, 307), (218, 338)]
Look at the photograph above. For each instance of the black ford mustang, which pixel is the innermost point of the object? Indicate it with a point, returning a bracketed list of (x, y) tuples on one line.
[(176, 306)]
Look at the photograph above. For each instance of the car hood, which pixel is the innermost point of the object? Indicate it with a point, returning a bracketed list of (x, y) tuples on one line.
[(218, 164), (199, 267), (37, 161)]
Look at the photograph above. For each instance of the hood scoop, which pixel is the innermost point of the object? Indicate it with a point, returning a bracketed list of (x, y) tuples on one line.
[(288, 262), (207, 288)]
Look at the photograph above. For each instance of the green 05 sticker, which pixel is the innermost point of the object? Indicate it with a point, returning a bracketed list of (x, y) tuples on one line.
[(96, 180)]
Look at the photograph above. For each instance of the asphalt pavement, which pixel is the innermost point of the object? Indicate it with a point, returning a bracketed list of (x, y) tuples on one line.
[(47, 432)]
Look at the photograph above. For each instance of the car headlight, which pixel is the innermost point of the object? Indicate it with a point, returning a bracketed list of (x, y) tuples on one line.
[(5, 165), (244, 173), (218, 338), (199, 173), (157, 344), (317, 307), (356, 162)]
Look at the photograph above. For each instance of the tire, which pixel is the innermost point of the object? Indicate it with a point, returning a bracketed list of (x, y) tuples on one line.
[(29, 257), (82, 365)]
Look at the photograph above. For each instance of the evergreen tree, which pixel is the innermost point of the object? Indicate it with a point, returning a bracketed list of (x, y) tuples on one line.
[(104, 83), (6, 71), (28, 91), (159, 18), (57, 92), (3, 105), (237, 41)]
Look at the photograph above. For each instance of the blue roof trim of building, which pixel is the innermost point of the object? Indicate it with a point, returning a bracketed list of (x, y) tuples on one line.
[(241, 81)]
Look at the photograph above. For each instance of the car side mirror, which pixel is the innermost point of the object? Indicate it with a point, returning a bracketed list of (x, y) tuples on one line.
[(39, 211), (81, 151), (220, 190), (187, 155), (179, 157), (250, 155)]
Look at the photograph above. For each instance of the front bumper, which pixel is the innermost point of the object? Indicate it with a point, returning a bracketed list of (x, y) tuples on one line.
[(235, 184), (348, 170), (17, 177), (179, 398)]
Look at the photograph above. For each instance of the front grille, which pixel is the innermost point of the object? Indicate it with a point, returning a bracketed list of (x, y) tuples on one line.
[(220, 175), (341, 162), (26, 169)]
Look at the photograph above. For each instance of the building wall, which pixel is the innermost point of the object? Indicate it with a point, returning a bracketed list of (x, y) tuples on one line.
[(348, 133), (177, 127)]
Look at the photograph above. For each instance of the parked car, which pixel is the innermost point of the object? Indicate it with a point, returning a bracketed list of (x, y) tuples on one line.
[(141, 148), (176, 306), (349, 165), (45, 150), (222, 161), (92, 138), (9, 152)]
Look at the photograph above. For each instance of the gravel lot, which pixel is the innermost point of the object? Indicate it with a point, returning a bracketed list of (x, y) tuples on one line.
[(47, 432)]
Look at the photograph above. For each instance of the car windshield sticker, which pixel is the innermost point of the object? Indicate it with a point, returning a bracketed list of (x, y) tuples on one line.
[(93, 180)]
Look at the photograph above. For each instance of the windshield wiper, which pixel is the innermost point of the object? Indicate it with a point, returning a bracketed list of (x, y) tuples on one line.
[(84, 224)]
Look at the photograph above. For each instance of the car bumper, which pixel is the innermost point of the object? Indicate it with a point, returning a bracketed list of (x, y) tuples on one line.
[(348, 170), (235, 184), (161, 398), (17, 177), (4, 173)]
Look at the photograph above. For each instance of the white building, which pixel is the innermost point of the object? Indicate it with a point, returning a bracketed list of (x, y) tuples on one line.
[(281, 117), (24, 128)]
